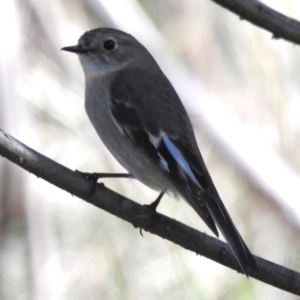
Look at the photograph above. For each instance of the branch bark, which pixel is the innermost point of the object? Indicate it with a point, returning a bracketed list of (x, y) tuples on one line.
[(139, 215), (265, 17)]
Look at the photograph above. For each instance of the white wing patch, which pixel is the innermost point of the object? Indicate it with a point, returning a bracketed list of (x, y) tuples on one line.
[(118, 125), (183, 165), (156, 139)]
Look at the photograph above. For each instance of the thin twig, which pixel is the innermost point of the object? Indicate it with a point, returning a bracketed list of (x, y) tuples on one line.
[(265, 17)]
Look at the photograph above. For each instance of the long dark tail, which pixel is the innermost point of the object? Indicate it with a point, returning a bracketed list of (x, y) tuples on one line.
[(225, 225)]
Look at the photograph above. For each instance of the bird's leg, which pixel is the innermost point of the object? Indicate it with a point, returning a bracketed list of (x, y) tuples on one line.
[(95, 176), (153, 206)]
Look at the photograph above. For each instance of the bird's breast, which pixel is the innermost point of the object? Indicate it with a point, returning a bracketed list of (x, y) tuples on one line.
[(125, 151)]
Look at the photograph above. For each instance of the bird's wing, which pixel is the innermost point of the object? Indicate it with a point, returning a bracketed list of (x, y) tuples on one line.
[(139, 103), (138, 112)]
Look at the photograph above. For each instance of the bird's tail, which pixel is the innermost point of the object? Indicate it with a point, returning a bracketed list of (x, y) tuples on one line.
[(224, 223)]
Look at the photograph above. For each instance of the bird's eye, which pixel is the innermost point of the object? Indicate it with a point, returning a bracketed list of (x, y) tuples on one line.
[(109, 44)]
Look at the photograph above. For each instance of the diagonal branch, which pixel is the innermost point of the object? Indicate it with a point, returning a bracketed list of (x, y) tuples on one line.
[(265, 17), (139, 215)]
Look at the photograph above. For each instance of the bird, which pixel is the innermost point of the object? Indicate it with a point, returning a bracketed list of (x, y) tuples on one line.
[(140, 118)]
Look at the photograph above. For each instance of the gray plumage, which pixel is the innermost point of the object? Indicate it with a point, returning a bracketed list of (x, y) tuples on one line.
[(141, 120)]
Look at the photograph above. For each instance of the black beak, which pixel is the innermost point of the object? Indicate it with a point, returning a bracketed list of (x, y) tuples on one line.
[(75, 49)]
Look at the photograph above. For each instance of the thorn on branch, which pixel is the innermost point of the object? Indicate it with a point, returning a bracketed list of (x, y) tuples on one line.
[(141, 232), (260, 7), (276, 36)]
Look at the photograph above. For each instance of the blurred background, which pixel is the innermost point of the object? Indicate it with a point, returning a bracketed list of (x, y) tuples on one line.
[(241, 89)]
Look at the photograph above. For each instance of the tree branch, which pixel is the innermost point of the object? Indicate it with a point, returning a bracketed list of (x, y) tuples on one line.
[(263, 16), (139, 215)]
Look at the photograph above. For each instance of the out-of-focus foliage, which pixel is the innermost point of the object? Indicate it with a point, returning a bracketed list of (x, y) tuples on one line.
[(54, 246)]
